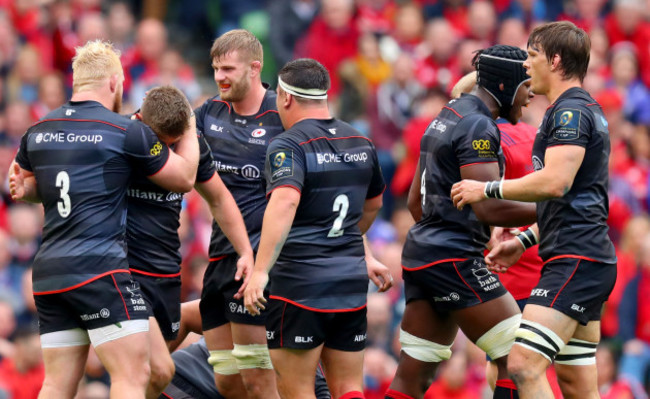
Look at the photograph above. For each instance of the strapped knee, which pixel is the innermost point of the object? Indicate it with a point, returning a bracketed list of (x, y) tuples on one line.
[(423, 350), (223, 362), (537, 338), (499, 339), (577, 353), (252, 357)]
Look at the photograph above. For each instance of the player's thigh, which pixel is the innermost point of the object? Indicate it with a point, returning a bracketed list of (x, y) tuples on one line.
[(219, 338), (247, 334), (127, 356), (344, 370), (64, 366), (475, 321), (160, 358), (296, 371), (423, 321)]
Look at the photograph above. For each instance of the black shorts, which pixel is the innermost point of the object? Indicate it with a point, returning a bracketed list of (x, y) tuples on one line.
[(163, 297), (453, 285), (218, 305), (577, 287), (112, 299), (293, 327)]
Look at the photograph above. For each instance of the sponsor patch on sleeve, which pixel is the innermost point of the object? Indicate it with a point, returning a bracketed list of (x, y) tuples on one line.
[(281, 162), (483, 149), (566, 124)]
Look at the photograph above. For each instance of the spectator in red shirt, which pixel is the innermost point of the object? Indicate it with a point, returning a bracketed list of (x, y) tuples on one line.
[(332, 37)]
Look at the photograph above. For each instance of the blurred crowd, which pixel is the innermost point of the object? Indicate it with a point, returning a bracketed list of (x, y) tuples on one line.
[(393, 64)]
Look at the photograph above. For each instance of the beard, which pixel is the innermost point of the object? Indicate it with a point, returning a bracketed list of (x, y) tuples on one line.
[(238, 90), (117, 103)]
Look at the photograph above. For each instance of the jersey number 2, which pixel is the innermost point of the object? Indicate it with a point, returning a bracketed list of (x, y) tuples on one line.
[(63, 182), (341, 205)]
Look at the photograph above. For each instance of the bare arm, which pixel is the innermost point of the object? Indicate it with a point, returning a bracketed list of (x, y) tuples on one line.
[(370, 210), (179, 173), (377, 271), (414, 201), (226, 213), (22, 184), (553, 181), (276, 225), (497, 212)]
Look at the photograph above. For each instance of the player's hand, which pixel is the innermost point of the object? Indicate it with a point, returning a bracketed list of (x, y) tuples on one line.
[(16, 183), (467, 192), (379, 274), (501, 234), (244, 269), (254, 294), (504, 255)]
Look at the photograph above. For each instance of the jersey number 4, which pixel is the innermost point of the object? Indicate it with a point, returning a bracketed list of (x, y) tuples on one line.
[(63, 205), (341, 205)]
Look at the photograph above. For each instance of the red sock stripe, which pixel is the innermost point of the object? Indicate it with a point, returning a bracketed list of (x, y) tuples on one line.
[(391, 393), (505, 383), (353, 395)]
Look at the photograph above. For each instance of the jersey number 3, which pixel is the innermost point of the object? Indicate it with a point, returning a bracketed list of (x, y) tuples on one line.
[(63, 205), (341, 205)]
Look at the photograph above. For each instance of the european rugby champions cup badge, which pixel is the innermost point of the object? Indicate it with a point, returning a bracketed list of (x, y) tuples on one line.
[(566, 124)]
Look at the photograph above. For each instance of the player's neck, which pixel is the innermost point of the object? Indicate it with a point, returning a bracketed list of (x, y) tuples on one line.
[(309, 113), (93, 96), (559, 86), (252, 102)]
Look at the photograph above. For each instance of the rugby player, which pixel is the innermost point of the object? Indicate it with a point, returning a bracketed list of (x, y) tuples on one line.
[(152, 230), (238, 125), (446, 281), (561, 320), (78, 161), (324, 186)]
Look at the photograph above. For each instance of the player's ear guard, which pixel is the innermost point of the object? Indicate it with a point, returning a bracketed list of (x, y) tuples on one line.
[(423, 350)]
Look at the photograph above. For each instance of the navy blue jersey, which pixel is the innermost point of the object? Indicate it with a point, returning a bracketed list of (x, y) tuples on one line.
[(238, 146), (82, 155), (462, 134), (153, 220), (335, 168), (576, 224)]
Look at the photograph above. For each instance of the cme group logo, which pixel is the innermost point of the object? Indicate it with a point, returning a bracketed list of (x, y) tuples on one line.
[(279, 158), (566, 118), (39, 138), (258, 133), (481, 145)]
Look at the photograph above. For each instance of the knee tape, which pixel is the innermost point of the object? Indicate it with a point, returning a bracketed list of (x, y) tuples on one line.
[(252, 357), (423, 350), (223, 362), (577, 353), (499, 339), (537, 338)]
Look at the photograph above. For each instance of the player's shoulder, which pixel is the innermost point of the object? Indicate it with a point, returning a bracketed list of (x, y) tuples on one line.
[(86, 112), (268, 112), (215, 105)]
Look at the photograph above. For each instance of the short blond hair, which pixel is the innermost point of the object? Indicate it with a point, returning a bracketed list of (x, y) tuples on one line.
[(94, 62)]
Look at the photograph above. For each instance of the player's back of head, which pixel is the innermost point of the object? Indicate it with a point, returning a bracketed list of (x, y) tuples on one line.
[(244, 42), (306, 79), (93, 64), (166, 110), (500, 71)]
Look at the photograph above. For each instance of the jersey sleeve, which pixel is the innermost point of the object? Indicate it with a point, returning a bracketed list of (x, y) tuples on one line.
[(284, 165), (206, 162), (477, 141), (377, 183), (199, 116), (570, 125), (21, 156), (144, 149)]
